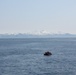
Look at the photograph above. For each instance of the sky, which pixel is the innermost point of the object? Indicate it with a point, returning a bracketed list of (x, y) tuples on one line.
[(32, 16)]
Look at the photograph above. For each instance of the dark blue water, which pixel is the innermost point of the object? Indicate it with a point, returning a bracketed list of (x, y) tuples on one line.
[(25, 56)]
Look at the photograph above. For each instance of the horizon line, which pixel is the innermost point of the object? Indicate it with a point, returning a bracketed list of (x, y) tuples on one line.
[(36, 33)]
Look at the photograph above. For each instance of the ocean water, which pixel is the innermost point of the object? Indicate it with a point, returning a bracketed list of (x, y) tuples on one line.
[(25, 56)]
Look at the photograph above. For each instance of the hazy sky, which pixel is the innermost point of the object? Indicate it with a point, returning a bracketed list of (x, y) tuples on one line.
[(22, 16)]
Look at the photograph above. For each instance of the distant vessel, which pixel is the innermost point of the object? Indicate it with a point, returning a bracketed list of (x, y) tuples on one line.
[(47, 53)]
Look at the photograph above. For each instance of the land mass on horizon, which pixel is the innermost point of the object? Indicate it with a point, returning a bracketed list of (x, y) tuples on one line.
[(20, 35)]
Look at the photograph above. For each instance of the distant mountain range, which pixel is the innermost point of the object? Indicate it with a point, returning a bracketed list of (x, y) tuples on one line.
[(20, 35)]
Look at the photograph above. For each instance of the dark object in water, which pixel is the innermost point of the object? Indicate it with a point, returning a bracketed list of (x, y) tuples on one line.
[(47, 53)]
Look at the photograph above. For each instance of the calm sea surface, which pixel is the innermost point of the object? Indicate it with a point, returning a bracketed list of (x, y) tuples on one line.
[(25, 56)]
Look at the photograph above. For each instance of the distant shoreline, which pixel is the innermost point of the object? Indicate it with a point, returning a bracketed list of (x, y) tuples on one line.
[(67, 35)]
